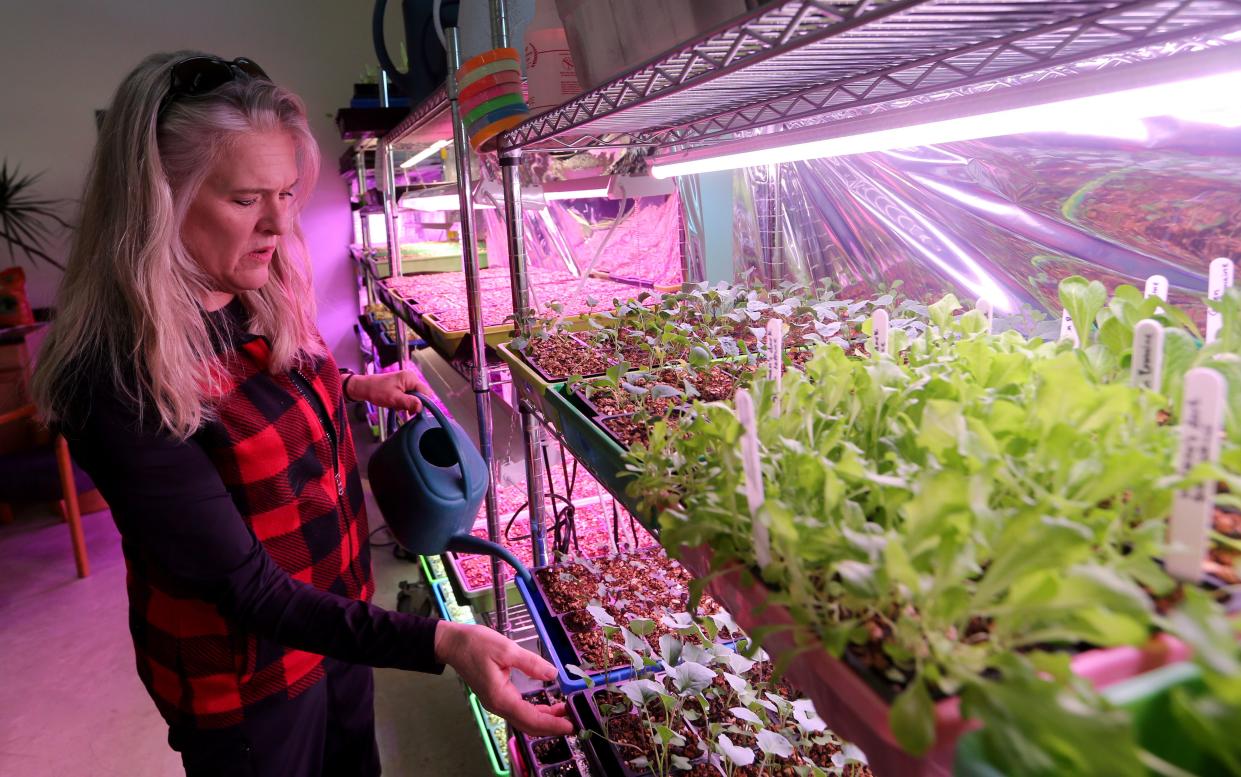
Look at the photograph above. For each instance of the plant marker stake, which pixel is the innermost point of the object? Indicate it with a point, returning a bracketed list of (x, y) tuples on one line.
[(1067, 332), (775, 358), (1157, 286), (1202, 420), (1147, 369), (1220, 277), (988, 310), (753, 476), (880, 330)]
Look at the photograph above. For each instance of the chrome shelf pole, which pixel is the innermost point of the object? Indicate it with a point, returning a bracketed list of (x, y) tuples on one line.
[(480, 380), (532, 438)]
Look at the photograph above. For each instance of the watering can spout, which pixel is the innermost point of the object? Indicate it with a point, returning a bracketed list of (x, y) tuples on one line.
[(468, 543)]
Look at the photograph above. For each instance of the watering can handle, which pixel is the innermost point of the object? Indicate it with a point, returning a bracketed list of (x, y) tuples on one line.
[(381, 48), (451, 428)]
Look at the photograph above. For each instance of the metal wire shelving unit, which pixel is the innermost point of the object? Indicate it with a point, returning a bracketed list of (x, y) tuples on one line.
[(803, 59), (801, 62)]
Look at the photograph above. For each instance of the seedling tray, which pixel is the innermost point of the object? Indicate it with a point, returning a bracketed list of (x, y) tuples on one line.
[(856, 711), (530, 384), (1148, 698), (602, 757), (561, 651), (595, 448)]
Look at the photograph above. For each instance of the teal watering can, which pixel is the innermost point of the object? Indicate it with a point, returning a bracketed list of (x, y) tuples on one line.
[(429, 481)]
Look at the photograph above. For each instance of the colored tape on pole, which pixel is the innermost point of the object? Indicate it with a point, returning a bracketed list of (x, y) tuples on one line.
[(504, 112), (492, 55), (492, 130), (487, 82), (493, 105), (467, 77), (482, 98)]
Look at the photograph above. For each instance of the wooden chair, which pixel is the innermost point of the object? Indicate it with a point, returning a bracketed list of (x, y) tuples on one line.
[(70, 509)]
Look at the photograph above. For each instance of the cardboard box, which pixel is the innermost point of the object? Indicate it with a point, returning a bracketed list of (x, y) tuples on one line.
[(611, 37)]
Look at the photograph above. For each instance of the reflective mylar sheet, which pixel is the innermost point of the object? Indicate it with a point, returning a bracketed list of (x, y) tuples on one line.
[(1004, 218), (635, 241)]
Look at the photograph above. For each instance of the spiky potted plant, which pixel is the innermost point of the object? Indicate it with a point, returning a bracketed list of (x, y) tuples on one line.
[(26, 222)]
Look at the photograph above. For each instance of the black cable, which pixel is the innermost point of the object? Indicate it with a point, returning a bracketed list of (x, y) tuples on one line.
[(374, 544)]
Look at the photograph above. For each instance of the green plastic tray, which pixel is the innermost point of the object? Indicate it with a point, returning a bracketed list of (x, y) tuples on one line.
[(530, 385), (1148, 697), (432, 568), (590, 444)]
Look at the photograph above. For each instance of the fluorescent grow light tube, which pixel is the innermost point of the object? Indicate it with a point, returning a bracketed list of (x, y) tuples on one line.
[(1096, 103), (434, 148), (595, 186), (439, 198)]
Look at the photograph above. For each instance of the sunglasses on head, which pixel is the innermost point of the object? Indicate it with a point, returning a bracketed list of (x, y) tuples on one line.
[(199, 75)]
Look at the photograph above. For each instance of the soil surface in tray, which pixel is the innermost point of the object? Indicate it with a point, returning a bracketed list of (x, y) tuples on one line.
[(630, 737), (560, 356), (1222, 560), (642, 585), (561, 770), (551, 751)]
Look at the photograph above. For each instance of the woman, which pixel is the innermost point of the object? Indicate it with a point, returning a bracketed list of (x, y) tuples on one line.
[(186, 371)]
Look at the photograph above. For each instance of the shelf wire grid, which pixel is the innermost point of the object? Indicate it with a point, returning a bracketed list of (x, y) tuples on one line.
[(803, 58)]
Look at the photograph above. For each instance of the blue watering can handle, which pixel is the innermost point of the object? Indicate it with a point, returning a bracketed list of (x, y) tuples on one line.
[(381, 48), (451, 428)]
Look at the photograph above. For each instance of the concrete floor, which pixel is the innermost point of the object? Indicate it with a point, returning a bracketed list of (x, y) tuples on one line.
[(70, 700)]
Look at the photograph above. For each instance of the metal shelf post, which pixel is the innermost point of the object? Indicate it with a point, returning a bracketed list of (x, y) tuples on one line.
[(519, 283)]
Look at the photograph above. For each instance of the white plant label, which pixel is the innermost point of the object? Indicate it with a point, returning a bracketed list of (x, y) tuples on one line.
[(1219, 278), (988, 310), (1067, 332), (753, 476), (775, 357), (1157, 286), (879, 322), (1202, 420), (1147, 371)]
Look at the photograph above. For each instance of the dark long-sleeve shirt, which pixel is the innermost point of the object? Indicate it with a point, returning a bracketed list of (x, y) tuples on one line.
[(200, 551)]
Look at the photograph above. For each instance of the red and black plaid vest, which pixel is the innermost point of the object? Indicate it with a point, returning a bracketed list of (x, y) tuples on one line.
[(275, 458)]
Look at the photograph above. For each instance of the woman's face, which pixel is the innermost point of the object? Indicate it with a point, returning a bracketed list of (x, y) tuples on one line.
[(242, 209)]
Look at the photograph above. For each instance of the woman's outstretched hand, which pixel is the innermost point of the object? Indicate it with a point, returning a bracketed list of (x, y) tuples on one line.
[(388, 389), (484, 659)]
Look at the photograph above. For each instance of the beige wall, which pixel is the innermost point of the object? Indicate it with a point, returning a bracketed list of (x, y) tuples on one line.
[(61, 60)]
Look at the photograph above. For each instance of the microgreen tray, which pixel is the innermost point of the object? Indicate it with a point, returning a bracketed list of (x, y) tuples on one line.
[(493, 735), (449, 608), (478, 599)]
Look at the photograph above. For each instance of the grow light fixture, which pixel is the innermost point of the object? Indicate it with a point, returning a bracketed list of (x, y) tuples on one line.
[(438, 198), (1199, 87), (580, 188), (425, 153), (613, 187)]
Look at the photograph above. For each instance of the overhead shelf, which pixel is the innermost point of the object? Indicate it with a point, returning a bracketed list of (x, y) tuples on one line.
[(803, 59)]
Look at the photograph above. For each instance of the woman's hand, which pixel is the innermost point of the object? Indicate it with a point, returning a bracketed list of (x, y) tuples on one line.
[(387, 389), (484, 658)]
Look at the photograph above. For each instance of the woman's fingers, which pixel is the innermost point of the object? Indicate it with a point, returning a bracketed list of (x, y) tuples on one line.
[(532, 664), (538, 720)]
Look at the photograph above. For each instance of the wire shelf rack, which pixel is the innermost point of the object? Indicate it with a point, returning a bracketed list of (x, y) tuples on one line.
[(427, 122), (801, 59)]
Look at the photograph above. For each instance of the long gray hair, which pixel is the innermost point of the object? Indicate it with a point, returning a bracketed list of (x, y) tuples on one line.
[(130, 301)]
